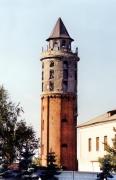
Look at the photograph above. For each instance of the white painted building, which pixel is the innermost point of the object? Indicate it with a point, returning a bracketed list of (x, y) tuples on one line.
[(91, 137)]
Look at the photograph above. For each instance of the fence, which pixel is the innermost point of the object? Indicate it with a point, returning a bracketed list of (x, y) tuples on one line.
[(74, 175)]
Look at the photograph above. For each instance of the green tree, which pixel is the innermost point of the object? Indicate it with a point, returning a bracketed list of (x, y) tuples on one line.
[(27, 155), (52, 168), (108, 162), (13, 130)]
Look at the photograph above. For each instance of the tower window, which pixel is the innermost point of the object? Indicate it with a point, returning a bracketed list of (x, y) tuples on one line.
[(42, 149), (42, 75), (51, 64), (43, 125), (64, 145), (97, 143), (51, 86), (89, 144), (55, 45), (42, 86), (65, 64), (65, 74), (51, 74), (63, 43), (64, 120), (75, 75), (65, 86), (105, 142), (42, 65)]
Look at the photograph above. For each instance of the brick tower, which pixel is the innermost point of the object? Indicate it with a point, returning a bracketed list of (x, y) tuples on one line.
[(59, 99)]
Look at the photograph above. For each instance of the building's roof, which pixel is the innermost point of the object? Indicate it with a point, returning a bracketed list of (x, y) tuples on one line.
[(107, 117), (59, 31)]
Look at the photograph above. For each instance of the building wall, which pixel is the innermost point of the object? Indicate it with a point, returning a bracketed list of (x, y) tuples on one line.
[(68, 133), (88, 161), (58, 69), (59, 104), (59, 129)]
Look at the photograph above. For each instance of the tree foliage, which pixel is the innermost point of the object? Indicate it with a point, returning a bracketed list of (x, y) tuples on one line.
[(13, 130), (52, 168), (108, 162)]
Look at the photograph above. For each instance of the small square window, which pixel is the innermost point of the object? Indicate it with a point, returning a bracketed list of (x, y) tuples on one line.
[(64, 120), (64, 145)]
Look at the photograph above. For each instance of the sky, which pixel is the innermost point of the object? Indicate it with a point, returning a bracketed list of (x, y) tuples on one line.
[(24, 27)]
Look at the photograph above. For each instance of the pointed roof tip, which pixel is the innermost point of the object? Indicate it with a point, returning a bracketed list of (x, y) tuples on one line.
[(59, 31)]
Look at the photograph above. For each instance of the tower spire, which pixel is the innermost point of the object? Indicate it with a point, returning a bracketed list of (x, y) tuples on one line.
[(59, 31)]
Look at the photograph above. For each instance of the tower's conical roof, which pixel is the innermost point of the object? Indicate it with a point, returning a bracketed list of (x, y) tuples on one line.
[(59, 31)]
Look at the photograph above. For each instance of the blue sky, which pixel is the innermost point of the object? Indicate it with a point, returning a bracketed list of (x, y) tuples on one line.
[(24, 26)]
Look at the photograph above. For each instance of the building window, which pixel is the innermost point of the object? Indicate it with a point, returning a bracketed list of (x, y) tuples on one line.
[(51, 86), (75, 75), (42, 65), (42, 124), (89, 144), (51, 74), (55, 46), (97, 143), (42, 149), (63, 43), (51, 64), (65, 64), (42, 86), (65, 74), (64, 145), (65, 86), (64, 120), (105, 142), (42, 75)]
